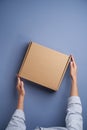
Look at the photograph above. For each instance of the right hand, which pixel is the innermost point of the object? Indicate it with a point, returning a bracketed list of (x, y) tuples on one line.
[(73, 69)]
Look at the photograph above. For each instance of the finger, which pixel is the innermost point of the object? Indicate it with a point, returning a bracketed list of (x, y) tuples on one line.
[(22, 86), (18, 83), (19, 80), (17, 75), (72, 58), (22, 83), (71, 64)]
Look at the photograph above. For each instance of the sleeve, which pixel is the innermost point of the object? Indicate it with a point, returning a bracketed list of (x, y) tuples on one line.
[(37, 128), (17, 121), (74, 120)]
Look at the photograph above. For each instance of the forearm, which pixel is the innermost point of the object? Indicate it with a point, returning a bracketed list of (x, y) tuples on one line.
[(74, 87), (74, 118), (17, 121), (20, 104)]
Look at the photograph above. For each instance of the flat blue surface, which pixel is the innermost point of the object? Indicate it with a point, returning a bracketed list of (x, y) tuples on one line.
[(57, 24)]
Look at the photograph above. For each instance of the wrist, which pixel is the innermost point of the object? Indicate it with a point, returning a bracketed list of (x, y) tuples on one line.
[(74, 79), (74, 82), (21, 97), (20, 102)]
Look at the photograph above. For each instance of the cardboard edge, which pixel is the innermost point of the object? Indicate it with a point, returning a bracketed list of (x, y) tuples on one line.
[(66, 66), (25, 56)]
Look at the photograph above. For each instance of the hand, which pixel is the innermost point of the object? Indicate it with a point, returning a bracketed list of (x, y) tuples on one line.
[(73, 69), (20, 87), (73, 73), (21, 94)]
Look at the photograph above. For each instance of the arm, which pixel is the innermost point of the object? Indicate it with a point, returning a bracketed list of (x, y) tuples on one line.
[(17, 121), (74, 119)]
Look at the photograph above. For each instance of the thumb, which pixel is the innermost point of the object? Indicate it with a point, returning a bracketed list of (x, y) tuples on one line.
[(22, 83), (71, 63), (22, 86)]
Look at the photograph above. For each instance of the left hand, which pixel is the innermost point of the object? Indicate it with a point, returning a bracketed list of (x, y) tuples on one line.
[(20, 87)]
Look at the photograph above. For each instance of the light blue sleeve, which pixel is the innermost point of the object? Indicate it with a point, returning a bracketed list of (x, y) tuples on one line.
[(74, 120), (17, 121)]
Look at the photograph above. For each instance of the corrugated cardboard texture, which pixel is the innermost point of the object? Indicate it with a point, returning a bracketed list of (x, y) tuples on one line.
[(44, 66)]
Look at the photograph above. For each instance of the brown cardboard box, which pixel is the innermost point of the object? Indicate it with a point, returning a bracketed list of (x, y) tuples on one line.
[(44, 66)]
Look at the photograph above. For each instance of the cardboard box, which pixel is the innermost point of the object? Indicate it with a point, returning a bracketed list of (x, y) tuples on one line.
[(44, 66)]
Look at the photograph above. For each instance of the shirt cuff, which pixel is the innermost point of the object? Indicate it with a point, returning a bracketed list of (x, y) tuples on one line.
[(19, 113), (74, 99)]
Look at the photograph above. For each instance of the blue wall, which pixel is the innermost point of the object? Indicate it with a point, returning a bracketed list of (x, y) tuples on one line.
[(57, 24)]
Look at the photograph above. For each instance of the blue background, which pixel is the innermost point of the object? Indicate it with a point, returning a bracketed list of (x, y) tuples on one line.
[(57, 24)]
